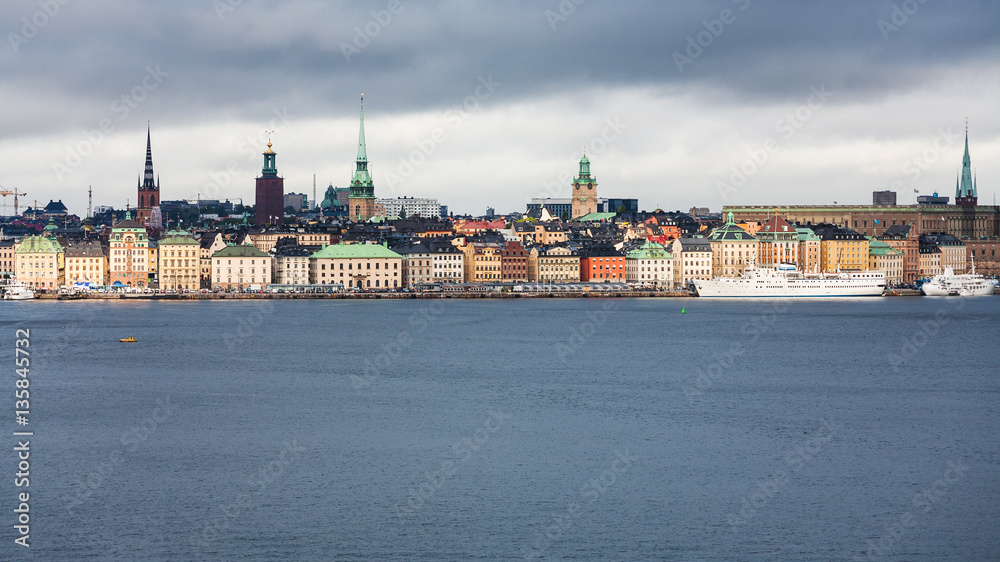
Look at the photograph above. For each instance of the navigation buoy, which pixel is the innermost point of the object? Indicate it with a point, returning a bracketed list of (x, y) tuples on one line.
[(682, 310)]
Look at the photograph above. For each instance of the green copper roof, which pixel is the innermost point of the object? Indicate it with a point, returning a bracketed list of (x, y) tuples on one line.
[(39, 245), (966, 187), (239, 251), (361, 183), (354, 251), (597, 217), (806, 234), (178, 237), (649, 251)]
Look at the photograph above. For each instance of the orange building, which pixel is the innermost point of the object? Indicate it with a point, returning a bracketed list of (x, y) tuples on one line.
[(602, 264)]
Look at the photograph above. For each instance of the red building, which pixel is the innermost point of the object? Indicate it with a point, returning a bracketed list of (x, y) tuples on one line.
[(601, 264), (270, 200), (513, 263)]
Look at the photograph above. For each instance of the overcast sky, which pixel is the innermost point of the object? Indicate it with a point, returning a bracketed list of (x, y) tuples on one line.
[(483, 103)]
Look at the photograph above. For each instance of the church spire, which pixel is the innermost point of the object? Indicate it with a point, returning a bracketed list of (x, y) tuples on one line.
[(966, 194), (362, 153), (147, 177), (362, 177)]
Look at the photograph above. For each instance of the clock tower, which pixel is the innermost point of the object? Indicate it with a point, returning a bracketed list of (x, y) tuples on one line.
[(584, 190)]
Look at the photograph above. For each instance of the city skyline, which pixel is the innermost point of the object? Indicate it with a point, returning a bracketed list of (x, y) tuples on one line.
[(682, 105)]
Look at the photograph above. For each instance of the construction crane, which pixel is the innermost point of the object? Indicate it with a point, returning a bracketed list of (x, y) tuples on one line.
[(15, 193)]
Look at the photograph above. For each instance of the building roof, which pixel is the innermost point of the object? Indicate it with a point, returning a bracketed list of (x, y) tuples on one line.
[(84, 250), (730, 231), (695, 245), (649, 250), (355, 251), (597, 217), (39, 245), (877, 247), (176, 237), (806, 234), (240, 251)]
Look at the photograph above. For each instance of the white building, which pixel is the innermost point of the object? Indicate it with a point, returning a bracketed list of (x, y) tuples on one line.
[(411, 206), (649, 265)]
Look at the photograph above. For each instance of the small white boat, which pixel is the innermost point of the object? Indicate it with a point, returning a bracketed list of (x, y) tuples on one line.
[(18, 291)]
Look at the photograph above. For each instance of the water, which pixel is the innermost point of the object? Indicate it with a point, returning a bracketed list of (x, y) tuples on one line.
[(556, 428)]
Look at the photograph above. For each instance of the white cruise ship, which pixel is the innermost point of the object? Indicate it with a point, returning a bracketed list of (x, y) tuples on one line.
[(963, 284), (18, 291), (786, 281)]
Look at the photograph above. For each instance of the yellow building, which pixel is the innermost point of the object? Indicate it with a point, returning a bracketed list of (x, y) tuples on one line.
[(39, 262), (553, 264), (733, 249), (482, 262), (841, 249), (128, 254), (179, 262), (882, 257), (86, 262)]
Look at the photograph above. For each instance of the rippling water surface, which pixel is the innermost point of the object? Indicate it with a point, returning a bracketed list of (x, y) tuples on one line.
[(549, 428)]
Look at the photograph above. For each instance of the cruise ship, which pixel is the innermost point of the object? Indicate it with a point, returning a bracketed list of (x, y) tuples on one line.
[(963, 284), (786, 281)]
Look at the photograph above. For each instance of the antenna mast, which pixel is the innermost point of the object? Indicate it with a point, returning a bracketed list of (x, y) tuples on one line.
[(90, 200)]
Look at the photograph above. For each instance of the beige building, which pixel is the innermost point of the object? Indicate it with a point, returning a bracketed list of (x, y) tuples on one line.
[(291, 265), (692, 259), (733, 249), (930, 262), (7, 252), (809, 250), (553, 264), (237, 267), (39, 262), (482, 262), (179, 262), (86, 262), (357, 266), (882, 257), (649, 265)]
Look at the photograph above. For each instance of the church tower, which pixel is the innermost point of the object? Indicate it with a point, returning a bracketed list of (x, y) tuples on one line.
[(362, 197), (270, 197), (584, 190), (148, 190), (965, 188)]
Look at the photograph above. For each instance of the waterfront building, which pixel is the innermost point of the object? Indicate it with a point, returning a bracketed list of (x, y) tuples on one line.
[(128, 254), (418, 264), (930, 261), (483, 262), (39, 262), (148, 190), (882, 257), (361, 266), (270, 192), (179, 262), (553, 264), (361, 202), (513, 261), (733, 249), (808, 250), (291, 264), (85, 262), (953, 253), (904, 238), (7, 257), (841, 248), (209, 244), (777, 243), (692, 260), (602, 263), (584, 191), (238, 266), (649, 265), (448, 262)]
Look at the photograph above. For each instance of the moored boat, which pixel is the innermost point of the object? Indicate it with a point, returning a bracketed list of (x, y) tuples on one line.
[(789, 282), (18, 291), (963, 284)]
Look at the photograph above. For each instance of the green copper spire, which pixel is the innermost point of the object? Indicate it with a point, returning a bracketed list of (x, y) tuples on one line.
[(270, 168), (966, 187), (361, 184)]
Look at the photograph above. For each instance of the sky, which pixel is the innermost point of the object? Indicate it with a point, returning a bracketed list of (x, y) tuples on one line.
[(480, 103)]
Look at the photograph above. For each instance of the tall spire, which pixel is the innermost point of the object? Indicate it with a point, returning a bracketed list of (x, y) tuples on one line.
[(147, 177), (362, 153)]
